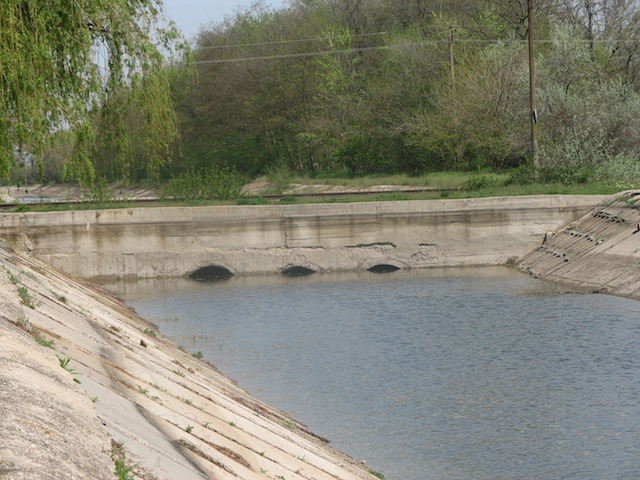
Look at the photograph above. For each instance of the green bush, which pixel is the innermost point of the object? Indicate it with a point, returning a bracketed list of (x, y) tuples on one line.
[(213, 183)]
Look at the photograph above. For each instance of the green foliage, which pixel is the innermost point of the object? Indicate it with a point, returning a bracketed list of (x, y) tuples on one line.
[(592, 120), (64, 363), (13, 278), (253, 201), (71, 66), (219, 183), (279, 178), (23, 207), (23, 292), (123, 471), (25, 296), (150, 332)]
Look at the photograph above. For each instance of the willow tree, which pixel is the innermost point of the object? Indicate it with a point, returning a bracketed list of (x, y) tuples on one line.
[(82, 67)]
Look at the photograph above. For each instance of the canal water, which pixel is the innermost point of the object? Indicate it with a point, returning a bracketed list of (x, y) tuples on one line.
[(435, 374)]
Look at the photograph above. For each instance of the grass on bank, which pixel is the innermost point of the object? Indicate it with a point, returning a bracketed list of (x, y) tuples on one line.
[(440, 185)]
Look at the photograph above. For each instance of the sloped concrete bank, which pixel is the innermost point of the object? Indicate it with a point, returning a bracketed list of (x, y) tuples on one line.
[(83, 380), (169, 242), (598, 252)]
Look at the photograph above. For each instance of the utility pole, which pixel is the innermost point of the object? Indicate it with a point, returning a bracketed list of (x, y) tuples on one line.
[(452, 60), (532, 94)]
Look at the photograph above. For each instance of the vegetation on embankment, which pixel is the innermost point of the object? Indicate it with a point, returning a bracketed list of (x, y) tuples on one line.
[(283, 187), (347, 87)]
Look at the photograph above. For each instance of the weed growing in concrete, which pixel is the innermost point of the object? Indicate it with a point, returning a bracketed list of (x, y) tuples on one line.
[(27, 301), (64, 363), (377, 474), (94, 399), (189, 428), (13, 278), (22, 290), (150, 332), (198, 355), (123, 471), (143, 390), (187, 401), (24, 324), (179, 373), (41, 340)]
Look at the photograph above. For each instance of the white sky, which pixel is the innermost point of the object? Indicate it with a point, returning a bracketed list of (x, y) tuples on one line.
[(190, 15)]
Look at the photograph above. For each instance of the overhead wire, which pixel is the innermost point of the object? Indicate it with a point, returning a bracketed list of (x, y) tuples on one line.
[(359, 49), (283, 42)]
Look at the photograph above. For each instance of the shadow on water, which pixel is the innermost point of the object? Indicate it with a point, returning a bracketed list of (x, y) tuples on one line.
[(297, 271)]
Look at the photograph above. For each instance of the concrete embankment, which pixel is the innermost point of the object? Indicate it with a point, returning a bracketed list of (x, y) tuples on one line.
[(598, 252), (84, 379), (175, 416), (169, 242)]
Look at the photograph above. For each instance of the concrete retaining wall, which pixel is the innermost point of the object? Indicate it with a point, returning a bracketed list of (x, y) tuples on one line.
[(174, 241), (598, 252)]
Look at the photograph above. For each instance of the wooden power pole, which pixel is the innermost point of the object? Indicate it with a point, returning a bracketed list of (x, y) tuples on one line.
[(532, 93)]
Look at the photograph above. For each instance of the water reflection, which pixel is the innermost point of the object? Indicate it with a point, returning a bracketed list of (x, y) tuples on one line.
[(441, 374)]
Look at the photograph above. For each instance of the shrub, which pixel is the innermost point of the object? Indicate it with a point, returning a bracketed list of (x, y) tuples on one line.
[(213, 183)]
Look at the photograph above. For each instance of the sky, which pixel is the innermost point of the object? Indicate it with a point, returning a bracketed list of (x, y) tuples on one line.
[(190, 15)]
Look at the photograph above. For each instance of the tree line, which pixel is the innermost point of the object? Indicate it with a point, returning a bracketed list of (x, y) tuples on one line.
[(101, 92), (378, 86)]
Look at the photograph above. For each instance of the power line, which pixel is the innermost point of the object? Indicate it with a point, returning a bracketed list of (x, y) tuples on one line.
[(283, 42), (380, 47), (289, 55)]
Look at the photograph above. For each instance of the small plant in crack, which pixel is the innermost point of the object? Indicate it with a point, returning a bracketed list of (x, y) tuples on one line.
[(41, 340), (189, 428), (64, 363), (25, 296), (150, 332), (123, 471), (13, 278)]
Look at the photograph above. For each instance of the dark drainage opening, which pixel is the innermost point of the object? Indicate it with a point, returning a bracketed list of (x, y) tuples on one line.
[(212, 273), (383, 269), (297, 271)]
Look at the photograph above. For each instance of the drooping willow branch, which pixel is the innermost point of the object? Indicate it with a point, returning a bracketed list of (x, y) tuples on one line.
[(97, 69)]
